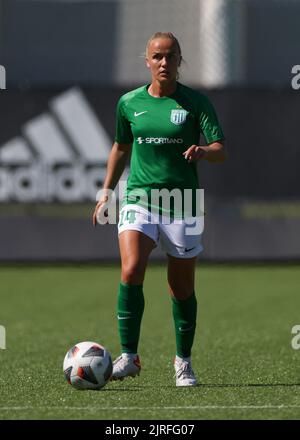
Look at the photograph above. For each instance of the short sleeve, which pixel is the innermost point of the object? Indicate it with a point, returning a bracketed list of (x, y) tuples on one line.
[(208, 121), (123, 128)]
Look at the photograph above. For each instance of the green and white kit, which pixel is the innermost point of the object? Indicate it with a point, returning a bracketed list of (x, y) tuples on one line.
[(160, 130)]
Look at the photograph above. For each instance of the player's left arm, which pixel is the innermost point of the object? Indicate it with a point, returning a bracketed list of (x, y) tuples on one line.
[(214, 152)]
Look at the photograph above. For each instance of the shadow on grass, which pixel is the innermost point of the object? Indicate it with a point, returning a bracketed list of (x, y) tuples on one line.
[(202, 385), (245, 385)]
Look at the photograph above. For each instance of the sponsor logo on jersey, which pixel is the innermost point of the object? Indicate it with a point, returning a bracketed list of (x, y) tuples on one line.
[(178, 116), (140, 113), (159, 140)]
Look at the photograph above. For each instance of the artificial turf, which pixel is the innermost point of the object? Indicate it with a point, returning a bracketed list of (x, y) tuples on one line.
[(242, 354)]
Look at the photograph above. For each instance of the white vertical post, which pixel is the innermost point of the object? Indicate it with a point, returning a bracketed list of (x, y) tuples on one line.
[(222, 42)]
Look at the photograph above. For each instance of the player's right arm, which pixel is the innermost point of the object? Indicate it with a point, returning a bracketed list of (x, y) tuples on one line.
[(115, 166)]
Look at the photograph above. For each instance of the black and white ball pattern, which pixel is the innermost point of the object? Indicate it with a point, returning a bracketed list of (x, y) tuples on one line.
[(87, 366)]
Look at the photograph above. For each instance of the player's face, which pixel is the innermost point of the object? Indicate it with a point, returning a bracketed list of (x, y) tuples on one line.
[(163, 59)]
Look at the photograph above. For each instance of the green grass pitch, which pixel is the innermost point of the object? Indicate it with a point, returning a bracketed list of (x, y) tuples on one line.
[(242, 353)]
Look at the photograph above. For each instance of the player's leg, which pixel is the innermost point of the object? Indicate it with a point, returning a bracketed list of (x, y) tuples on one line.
[(135, 248), (136, 239), (182, 249), (181, 277)]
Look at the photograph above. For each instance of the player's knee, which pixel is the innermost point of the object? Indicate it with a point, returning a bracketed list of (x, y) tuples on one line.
[(181, 292), (133, 273)]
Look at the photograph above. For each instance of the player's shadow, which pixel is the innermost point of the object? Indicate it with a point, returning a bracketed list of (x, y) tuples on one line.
[(136, 388), (205, 385), (126, 388), (245, 385)]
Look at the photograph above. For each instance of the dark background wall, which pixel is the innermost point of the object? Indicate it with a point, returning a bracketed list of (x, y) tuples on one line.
[(49, 43), (261, 128), (252, 200), (52, 42)]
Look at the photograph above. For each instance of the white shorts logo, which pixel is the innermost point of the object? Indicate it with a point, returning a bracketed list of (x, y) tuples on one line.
[(178, 117)]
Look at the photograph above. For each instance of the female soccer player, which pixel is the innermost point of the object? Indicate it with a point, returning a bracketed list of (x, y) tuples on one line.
[(161, 122)]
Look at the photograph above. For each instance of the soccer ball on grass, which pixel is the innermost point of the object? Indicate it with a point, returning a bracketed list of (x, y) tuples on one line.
[(87, 366)]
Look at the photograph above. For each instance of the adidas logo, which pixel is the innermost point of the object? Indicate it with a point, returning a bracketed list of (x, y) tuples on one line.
[(61, 155)]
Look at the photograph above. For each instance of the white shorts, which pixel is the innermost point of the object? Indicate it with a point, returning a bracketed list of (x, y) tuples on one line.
[(180, 238)]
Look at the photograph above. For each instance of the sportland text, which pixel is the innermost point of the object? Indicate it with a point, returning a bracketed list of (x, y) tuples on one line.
[(160, 200), (2, 78)]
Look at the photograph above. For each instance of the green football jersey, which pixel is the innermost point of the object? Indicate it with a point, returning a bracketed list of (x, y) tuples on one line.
[(161, 129)]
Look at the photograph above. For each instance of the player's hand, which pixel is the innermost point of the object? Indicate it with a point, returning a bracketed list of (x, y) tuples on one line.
[(194, 153), (99, 207)]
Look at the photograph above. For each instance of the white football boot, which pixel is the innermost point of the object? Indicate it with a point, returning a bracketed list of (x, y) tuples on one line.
[(185, 377), (126, 365)]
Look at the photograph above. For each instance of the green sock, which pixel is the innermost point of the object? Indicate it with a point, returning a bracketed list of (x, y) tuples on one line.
[(130, 311), (184, 314)]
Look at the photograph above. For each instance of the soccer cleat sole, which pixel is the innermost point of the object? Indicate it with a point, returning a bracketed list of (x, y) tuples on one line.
[(187, 385)]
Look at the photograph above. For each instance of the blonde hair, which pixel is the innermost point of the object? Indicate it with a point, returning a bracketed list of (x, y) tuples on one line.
[(164, 35)]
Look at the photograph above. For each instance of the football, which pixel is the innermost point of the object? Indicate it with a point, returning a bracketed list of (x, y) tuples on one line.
[(87, 366)]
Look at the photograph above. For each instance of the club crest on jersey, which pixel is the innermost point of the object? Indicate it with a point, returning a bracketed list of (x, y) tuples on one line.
[(178, 116)]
